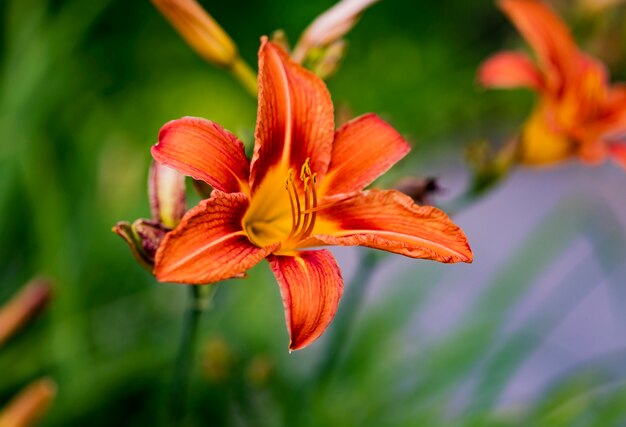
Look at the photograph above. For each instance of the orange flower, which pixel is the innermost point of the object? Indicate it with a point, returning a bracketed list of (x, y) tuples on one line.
[(578, 112), (302, 189)]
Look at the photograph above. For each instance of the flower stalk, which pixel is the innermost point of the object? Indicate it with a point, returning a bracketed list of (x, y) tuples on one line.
[(200, 299), (246, 76)]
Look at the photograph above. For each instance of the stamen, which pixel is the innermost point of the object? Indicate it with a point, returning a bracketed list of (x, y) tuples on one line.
[(290, 186), (305, 171), (307, 203), (294, 214), (302, 220), (313, 213)]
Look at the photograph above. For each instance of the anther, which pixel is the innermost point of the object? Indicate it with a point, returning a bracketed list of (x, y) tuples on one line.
[(306, 169)]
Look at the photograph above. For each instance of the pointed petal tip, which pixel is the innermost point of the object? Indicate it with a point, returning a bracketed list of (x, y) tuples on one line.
[(509, 70), (295, 119), (364, 148), (311, 286), (205, 151), (469, 256)]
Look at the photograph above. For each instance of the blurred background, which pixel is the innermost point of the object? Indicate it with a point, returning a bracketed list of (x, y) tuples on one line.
[(532, 333)]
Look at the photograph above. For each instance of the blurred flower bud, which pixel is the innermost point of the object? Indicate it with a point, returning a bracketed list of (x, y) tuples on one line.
[(330, 26), (280, 38), (419, 189), (217, 360), (166, 190), (23, 307), (29, 405), (597, 6), (259, 370), (325, 61), (143, 238), (200, 30)]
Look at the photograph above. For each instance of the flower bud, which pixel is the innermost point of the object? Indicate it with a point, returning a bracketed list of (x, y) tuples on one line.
[(23, 307), (325, 61), (29, 405), (166, 190), (200, 30), (259, 371), (280, 38), (330, 26), (217, 360), (143, 238), (150, 234)]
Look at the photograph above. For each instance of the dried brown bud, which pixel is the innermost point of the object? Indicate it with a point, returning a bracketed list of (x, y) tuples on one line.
[(419, 189)]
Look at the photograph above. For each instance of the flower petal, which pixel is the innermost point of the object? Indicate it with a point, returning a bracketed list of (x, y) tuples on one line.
[(547, 34), (618, 153), (389, 220), (364, 149), (295, 117), (209, 245), (612, 122), (205, 151), (311, 286), (509, 70)]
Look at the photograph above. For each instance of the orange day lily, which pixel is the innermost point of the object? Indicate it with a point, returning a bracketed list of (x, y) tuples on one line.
[(578, 112), (302, 189)]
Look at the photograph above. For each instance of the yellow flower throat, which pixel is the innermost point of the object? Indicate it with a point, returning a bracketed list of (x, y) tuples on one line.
[(283, 209)]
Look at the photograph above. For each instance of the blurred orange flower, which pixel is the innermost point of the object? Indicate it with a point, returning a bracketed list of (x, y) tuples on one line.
[(303, 188), (578, 113)]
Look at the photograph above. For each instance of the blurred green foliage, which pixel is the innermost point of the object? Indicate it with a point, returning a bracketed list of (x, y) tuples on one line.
[(85, 86)]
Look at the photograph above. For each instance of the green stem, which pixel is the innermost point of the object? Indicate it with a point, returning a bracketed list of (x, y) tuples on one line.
[(200, 300), (242, 71), (342, 324)]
